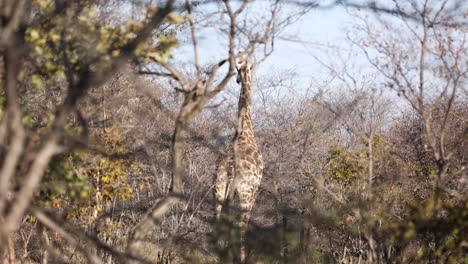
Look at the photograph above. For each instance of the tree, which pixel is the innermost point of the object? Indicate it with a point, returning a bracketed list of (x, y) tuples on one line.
[(108, 143), (61, 51)]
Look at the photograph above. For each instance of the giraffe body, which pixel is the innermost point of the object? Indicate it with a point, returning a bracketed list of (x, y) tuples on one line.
[(240, 173)]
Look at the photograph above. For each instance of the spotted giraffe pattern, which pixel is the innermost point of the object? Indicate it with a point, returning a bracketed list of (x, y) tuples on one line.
[(247, 165)]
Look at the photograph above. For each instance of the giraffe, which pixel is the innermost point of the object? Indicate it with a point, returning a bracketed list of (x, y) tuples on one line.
[(241, 171)]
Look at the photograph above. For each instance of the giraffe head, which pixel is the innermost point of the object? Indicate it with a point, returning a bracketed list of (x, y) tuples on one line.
[(243, 67)]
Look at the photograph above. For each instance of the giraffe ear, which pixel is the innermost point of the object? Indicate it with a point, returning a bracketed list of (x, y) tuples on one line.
[(239, 65), (238, 79)]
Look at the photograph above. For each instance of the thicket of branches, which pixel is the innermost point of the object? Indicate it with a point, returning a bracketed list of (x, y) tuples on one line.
[(109, 143)]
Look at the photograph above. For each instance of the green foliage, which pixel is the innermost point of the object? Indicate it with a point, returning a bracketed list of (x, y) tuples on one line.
[(426, 169), (67, 43), (67, 183), (440, 227), (175, 19), (37, 82), (344, 166), (83, 181)]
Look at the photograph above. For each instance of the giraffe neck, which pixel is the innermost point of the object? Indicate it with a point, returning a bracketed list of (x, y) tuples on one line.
[(245, 101)]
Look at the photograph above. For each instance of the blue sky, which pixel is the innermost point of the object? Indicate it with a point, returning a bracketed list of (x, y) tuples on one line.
[(310, 36), (320, 30)]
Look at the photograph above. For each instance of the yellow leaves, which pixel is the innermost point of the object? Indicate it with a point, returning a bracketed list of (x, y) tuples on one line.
[(155, 56), (130, 35), (26, 120), (39, 50), (44, 5), (84, 180), (125, 191), (49, 65), (20, 77), (410, 232), (86, 17), (105, 34), (57, 203), (90, 11), (106, 179), (115, 53), (37, 81), (178, 19), (31, 218), (88, 40), (44, 44), (101, 47), (175, 19), (160, 51), (134, 26), (343, 165), (55, 37), (166, 43), (33, 34), (70, 215)]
